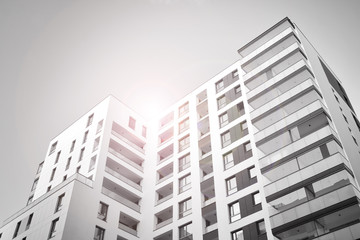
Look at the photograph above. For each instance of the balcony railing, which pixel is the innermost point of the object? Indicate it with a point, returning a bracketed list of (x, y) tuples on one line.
[(122, 178), (128, 142), (120, 199), (164, 199), (123, 158), (127, 229), (164, 223)]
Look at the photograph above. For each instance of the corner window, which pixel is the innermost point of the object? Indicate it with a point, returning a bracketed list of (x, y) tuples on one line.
[(237, 89), (29, 221), (244, 126), (72, 146), (92, 163), (235, 73)]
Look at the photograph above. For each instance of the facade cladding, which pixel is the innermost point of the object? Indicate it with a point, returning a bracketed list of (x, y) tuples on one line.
[(267, 149)]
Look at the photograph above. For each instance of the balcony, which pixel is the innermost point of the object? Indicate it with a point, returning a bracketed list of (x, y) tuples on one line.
[(165, 172), (123, 173), (165, 236), (122, 153), (164, 217), (288, 38), (128, 224), (298, 146), (284, 105), (275, 66), (207, 190), (265, 39), (164, 193), (303, 174), (201, 97), (120, 194), (202, 109), (209, 217), (206, 166), (166, 120), (281, 83), (203, 127), (315, 205), (165, 153), (166, 136), (205, 147), (312, 109), (128, 137)]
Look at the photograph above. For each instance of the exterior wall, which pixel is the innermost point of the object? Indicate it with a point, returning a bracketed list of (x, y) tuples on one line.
[(268, 124)]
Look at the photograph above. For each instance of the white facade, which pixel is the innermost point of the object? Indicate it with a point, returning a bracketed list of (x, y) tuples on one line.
[(266, 149)]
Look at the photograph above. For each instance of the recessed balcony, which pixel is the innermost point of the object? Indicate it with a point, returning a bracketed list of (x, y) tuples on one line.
[(165, 153), (202, 109), (128, 224), (124, 154), (163, 217), (126, 136), (164, 193), (165, 172), (209, 217)]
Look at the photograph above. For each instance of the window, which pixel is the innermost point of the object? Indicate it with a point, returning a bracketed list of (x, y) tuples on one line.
[(90, 120), (81, 154), (53, 228), (85, 136), (345, 118), (72, 146), (53, 148), (231, 185), (30, 200), (143, 133), (252, 172), (96, 144), (184, 143), (234, 209), (261, 227), (237, 235), (102, 212), (223, 119), (237, 89), (247, 146), (184, 125), (184, 162), (235, 73), (59, 202), (68, 163), (99, 233), (184, 183), (228, 160), (64, 178), (16, 229), (336, 98), (29, 221), (185, 208), (185, 231), (132, 123), (355, 141), (256, 198), (221, 101), (40, 167), (78, 169), (244, 126), (219, 85), (57, 157), (226, 139), (52, 174), (99, 126), (35, 184), (48, 189), (183, 109), (92, 163)]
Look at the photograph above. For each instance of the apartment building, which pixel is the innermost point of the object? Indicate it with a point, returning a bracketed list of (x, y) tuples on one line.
[(266, 149)]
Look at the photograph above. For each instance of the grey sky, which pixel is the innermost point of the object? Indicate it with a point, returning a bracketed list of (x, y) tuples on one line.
[(59, 58)]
